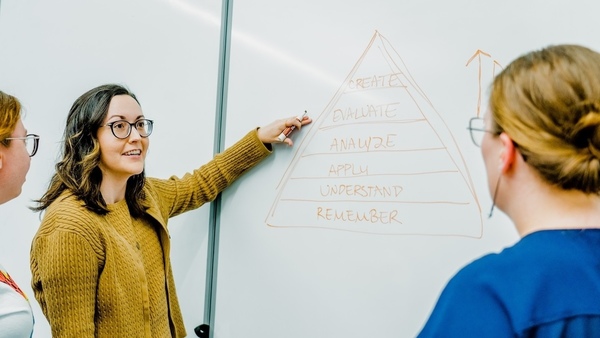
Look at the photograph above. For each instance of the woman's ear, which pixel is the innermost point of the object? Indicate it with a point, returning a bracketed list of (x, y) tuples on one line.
[(508, 153)]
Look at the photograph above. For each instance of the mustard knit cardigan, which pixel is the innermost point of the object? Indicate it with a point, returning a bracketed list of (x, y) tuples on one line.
[(86, 274)]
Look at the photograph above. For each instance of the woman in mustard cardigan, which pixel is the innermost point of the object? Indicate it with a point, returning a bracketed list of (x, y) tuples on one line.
[(100, 259)]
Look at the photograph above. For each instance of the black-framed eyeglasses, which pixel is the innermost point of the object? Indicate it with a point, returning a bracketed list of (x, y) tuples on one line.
[(32, 142), (477, 130), (122, 129)]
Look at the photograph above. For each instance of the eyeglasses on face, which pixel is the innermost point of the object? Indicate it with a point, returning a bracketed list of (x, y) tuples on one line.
[(477, 130), (121, 129), (31, 142)]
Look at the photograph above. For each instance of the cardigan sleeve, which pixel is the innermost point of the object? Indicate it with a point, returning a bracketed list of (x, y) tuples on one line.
[(64, 270), (178, 195)]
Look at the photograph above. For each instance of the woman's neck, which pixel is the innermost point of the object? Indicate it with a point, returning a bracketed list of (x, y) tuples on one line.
[(558, 209), (113, 191)]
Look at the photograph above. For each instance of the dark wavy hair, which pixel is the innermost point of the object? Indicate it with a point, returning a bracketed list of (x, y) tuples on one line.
[(78, 171)]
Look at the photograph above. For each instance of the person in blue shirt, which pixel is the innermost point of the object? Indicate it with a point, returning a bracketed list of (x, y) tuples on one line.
[(540, 141)]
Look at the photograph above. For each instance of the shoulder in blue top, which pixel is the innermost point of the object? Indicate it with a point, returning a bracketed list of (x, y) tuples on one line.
[(546, 285)]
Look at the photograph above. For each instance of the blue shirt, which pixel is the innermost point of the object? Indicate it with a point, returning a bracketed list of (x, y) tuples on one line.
[(546, 285)]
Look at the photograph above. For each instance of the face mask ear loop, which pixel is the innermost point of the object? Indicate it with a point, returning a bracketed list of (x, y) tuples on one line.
[(494, 199)]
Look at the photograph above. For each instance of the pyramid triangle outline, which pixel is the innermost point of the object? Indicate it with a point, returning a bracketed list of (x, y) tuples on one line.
[(457, 216)]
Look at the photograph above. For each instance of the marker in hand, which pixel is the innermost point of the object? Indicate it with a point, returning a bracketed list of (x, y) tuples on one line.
[(287, 131)]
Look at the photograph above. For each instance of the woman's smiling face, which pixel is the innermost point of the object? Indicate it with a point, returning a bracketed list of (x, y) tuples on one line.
[(122, 158)]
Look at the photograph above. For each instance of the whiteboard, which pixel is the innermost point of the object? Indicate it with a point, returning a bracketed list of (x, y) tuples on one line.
[(355, 230), (166, 52)]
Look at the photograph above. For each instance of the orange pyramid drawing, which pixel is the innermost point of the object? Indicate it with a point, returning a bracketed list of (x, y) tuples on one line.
[(379, 159)]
